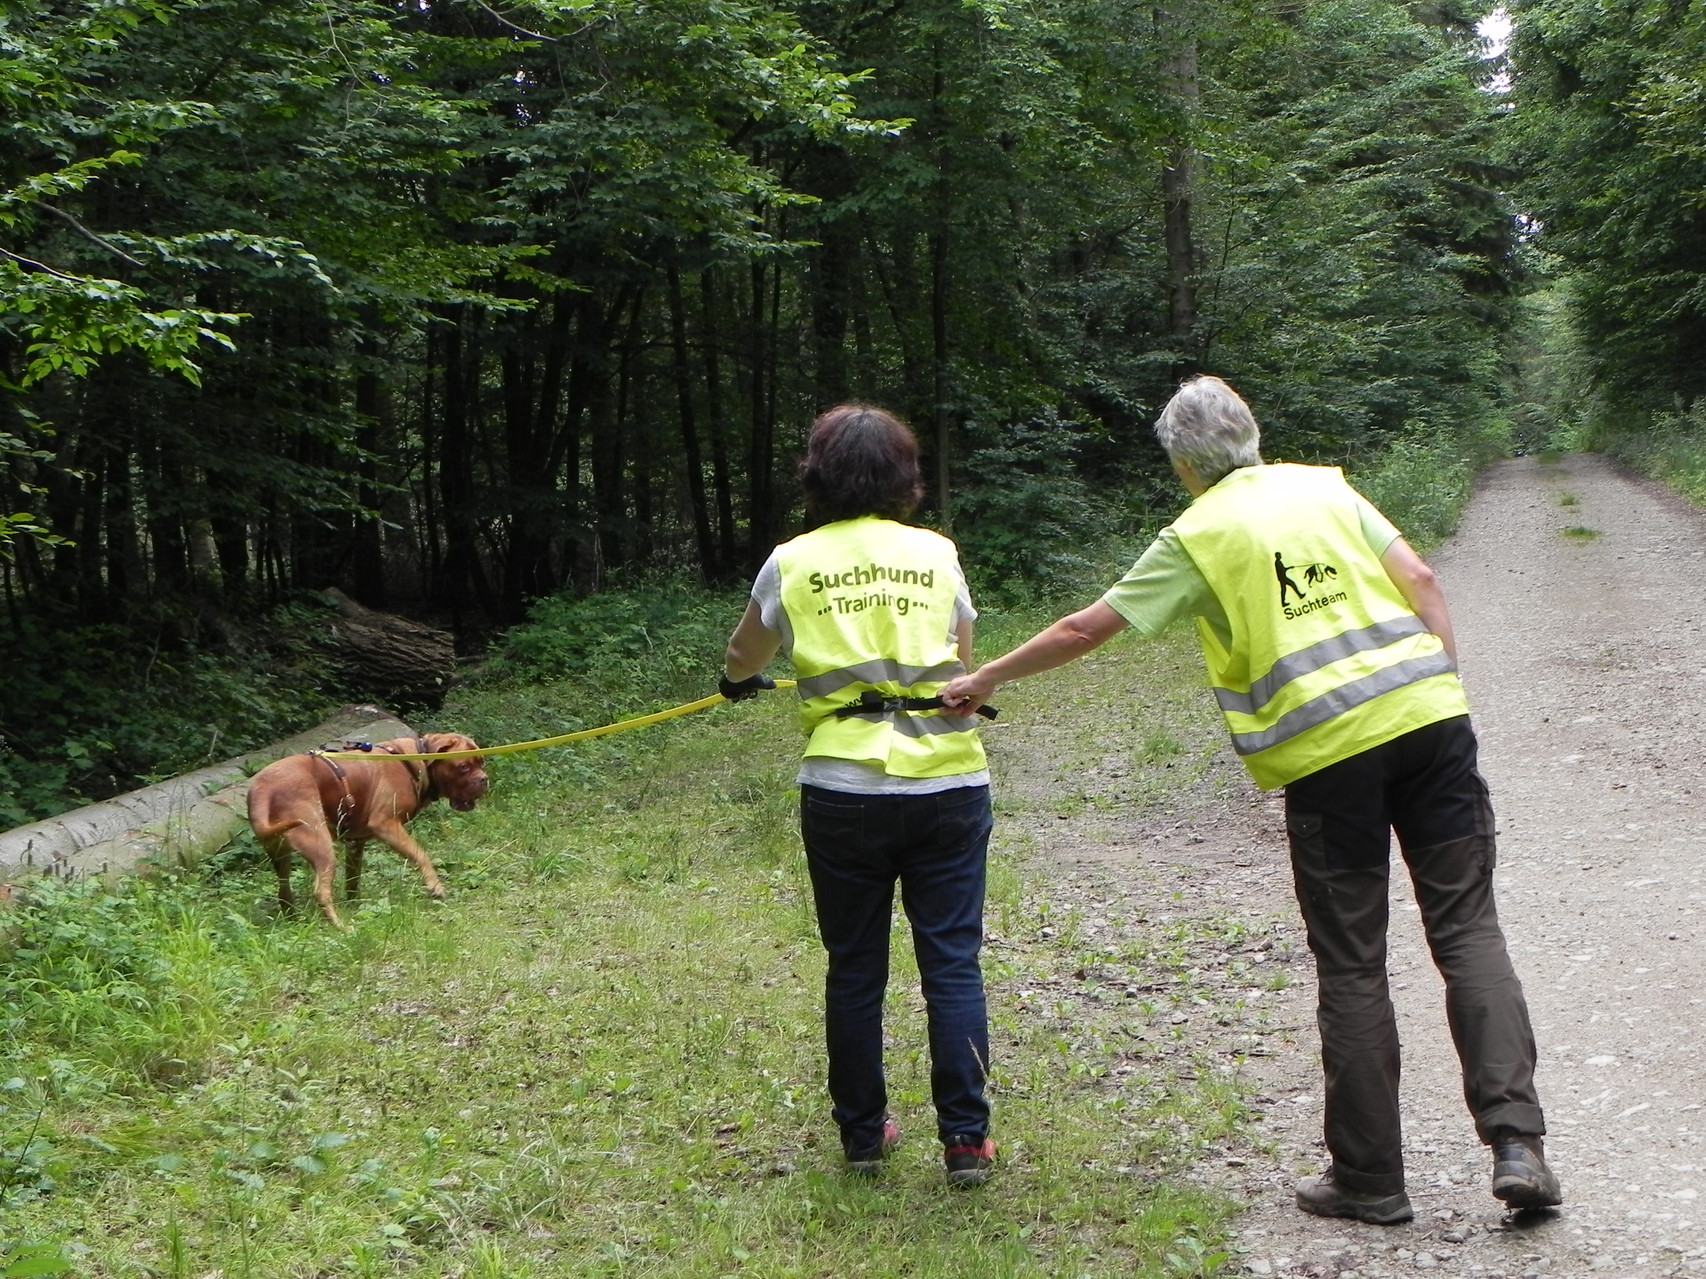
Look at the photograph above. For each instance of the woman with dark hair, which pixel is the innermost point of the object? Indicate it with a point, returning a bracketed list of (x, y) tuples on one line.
[(894, 788)]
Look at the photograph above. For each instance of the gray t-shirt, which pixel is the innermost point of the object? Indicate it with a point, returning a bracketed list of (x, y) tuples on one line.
[(852, 776)]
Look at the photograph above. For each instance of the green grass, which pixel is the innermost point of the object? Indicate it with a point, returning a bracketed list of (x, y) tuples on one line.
[(1581, 533), (1670, 447), (1422, 479), (1568, 499), (602, 1055)]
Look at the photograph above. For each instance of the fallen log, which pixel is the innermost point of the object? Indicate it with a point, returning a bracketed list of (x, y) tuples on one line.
[(383, 655), (175, 823)]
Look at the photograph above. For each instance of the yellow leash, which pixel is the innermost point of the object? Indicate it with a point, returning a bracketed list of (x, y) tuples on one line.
[(621, 726)]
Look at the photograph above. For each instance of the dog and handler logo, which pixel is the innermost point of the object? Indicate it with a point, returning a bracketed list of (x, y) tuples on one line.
[(1315, 575)]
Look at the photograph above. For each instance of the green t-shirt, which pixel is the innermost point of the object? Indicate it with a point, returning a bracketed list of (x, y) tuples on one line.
[(1164, 585)]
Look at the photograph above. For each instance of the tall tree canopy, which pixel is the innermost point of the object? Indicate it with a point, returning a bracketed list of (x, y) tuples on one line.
[(468, 304), (1610, 137)]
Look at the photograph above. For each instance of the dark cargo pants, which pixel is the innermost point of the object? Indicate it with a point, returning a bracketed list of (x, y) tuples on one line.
[(1424, 785)]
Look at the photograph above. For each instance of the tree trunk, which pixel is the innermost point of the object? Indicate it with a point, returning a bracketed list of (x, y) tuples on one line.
[(940, 407), (371, 439), (829, 281), (527, 546), (1177, 185), (761, 442), (720, 482), (636, 433), (462, 575), (693, 461), (609, 501)]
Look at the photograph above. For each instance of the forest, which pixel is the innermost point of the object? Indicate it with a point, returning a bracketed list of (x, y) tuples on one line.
[(467, 308)]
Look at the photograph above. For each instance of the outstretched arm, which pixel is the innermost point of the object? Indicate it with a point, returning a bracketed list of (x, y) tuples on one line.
[(1069, 638), (1421, 591)]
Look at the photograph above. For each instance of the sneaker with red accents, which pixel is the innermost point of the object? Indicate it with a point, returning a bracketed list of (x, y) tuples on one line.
[(970, 1160), (871, 1163)]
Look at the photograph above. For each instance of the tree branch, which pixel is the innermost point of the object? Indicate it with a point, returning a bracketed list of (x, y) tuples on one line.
[(90, 236), (531, 35), (41, 266)]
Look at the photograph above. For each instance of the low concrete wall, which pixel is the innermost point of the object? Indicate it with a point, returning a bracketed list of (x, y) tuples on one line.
[(174, 823)]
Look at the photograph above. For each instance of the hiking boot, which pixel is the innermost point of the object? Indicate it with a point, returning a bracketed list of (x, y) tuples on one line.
[(970, 1160), (871, 1163), (1520, 1175), (1327, 1198)]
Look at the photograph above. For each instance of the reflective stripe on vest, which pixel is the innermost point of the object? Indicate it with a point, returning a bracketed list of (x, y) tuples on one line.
[(880, 671), (1341, 699), (1332, 649), (1328, 660), (870, 607)]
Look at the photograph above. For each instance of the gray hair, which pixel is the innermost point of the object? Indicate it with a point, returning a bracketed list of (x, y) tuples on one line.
[(1210, 429)]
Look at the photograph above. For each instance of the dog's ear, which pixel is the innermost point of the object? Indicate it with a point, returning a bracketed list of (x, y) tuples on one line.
[(438, 743)]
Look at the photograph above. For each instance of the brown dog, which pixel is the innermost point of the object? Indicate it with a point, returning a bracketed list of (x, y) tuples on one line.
[(303, 802)]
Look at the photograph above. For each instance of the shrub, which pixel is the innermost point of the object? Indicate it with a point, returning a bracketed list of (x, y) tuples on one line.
[(657, 637), (92, 711), (1423, 479), (1028, 527), (1670, 447)]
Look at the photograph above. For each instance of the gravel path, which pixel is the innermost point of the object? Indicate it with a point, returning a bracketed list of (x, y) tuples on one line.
[(1578, 597)]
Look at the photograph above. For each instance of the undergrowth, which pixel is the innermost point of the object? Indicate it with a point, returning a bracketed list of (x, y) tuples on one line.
[(602, 1056), (1423, 480), (91, 711), (1670, 447)]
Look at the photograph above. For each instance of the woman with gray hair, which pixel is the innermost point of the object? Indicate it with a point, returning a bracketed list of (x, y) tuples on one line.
[(1329, 648), (1210, 430)]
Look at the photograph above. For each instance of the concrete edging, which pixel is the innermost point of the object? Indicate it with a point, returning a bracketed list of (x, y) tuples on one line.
[(178, 822)]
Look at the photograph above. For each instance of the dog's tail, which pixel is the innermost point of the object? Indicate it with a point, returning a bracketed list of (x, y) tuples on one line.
[(273, 810)]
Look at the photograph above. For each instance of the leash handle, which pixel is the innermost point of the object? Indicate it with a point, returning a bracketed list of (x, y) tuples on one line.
[(872, 702)]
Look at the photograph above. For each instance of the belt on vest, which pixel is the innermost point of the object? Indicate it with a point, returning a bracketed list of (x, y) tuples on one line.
[(872, 702)]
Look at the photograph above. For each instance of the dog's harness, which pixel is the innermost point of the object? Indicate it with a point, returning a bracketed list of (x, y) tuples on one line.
[(425, 791)]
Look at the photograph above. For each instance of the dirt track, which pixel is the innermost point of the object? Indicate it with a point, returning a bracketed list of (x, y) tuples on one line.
[(1581, 653)]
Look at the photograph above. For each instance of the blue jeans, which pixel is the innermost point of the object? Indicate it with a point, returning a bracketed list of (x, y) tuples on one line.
[(857, 847)]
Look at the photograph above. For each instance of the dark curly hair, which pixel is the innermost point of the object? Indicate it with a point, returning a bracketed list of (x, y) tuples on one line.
[(860, 461)]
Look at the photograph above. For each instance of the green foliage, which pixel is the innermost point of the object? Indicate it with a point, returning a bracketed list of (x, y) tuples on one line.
[(31, 1261), (1423, 480), (602, 1053), (65, 133), (118, 982), (539, 292), (1669, 446), (650, 637), (1029, 528), (1606, 133), (1550, 396), (542, 295), (1368, 258), (94, 709)]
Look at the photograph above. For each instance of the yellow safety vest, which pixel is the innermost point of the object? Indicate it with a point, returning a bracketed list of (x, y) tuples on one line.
[(871, 603), (1327, 660)]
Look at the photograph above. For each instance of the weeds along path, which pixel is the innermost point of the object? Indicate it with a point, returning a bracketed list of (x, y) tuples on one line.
[(1579, 596)]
